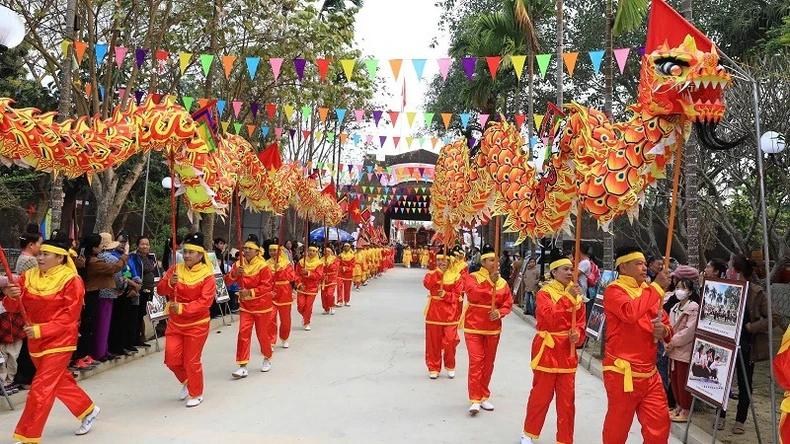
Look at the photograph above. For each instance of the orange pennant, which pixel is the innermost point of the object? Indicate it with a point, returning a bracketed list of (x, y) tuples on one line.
[(227, 63), (202, 102), (250, 129), (434, 141), (395, 65), (570, 61), (446, 119), (79, 49), (343, 138), (88, 89), (322, 113)]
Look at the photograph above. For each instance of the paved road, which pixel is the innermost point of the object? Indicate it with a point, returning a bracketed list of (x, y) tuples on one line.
[(357, 377)]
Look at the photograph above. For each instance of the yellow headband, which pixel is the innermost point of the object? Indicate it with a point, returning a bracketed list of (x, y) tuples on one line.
[(192, 247), (487, 255), (628, 258), (252, 245), (46, 248), (441, 256), (312, 249), (559, 263)]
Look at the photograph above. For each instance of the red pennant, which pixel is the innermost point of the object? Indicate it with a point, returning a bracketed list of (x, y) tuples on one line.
[(271, 108), (397, 141), (520, 120), (270, 157), (493, 65), (330, 191), (323, 68), (305, 134), (394, 117)]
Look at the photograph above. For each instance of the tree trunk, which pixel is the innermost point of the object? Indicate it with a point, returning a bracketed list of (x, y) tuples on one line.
[(111, 195), (56, 204), (690, 170), (608, 238)]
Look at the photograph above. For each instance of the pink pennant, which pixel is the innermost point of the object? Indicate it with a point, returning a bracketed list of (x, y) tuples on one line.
[(121, 93), (368, 139), (483, 120), (359, 114), (622, 57), (236, 108), (120, 53), (278, 132), (276, 63), (444, 66)]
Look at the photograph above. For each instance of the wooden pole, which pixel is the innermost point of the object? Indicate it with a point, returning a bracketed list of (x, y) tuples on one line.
[(576, 257), (173, 217), (496, 258), (239, 236), (11, 280), (673, 205)]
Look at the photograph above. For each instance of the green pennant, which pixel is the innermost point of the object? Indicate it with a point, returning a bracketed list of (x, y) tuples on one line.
[(428, 119), (422, 141), (330, 136), (237, 127), (543, 63), (320, 165), (371, 64), (205, 60), (187, 102), (306, 112)]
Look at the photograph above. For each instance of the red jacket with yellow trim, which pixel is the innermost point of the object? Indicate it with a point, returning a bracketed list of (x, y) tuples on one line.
[(196, 297), (259, 280), (283, 277), (309, 275), (479, 289), (53, 302), (630, 310), (347, 263), (442, 310), (331, 266), (554, 314)]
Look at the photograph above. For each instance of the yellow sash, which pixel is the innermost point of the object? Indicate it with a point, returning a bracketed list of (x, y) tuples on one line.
[(548, 341), (624, 368)]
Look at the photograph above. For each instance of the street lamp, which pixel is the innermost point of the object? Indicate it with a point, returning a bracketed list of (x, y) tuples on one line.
[(772, 143), (12, 29)]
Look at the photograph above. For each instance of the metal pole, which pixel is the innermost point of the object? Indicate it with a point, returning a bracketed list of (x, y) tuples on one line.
[(145, 193), (749, 393), (688, 423)]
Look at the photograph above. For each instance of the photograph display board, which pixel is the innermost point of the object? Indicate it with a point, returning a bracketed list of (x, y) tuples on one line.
[(711, 370), (156, 307), (596, 321), (723, 305), (606, 277)]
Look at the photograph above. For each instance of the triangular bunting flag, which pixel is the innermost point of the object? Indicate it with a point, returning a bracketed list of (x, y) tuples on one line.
[(220, 107), (187, 102), (227, 64), (225, 126), (205, 61), (469, 66), (465, 119), (543, 63), (183, 61), (79, 50), (322, 113), (306, 113), (340, 113), (419, 67), (570, 59), (483, 119), (323, 68), (377, 116), (596, 57), (359, 115), (520, 121), (371, 65), (276, 64), (299, 65), (100, 50), (395, 65), (382, 140), (518, 64), (120, 53), (444, 66), (264, 131), (621, 55), (236, 109), (348, 67), (254, 110), (493, 65), (289, 111), (250, 130), (237, 127), (271, 108), (252, 66), (446, 119), (396, 141), (428, 119), (278, 132), (538, 120), (394, 117)]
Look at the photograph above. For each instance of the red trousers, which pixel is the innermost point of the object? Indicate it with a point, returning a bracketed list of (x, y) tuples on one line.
[(343, 291), (784, 429), (440, 344), (304, 305), (261, 322), (677, 380), (328, 295), (283, 313), (52, 380), (482, 352), (544, 387), (183, 348), (648, 401)]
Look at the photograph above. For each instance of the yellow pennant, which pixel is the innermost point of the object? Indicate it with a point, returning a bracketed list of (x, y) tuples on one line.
[(410, 115), (518, 64), (289, 111), (183, 60), (348, 67), (538, 120)]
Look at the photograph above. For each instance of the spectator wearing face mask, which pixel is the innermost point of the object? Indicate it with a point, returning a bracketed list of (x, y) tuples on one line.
[(683, 316)]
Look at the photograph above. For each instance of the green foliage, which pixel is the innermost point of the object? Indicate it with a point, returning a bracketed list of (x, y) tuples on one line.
[(630, 15)]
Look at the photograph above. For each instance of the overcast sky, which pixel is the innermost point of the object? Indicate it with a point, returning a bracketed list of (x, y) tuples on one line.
[(402, 29)]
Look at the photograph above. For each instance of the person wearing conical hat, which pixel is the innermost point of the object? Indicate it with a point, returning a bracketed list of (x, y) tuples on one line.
[(346, 275), (284, 275), (190, 288), (489, 299), (554, 358), (256, 291), (51, 297), (329, 283), (309, 272), (441, 322)]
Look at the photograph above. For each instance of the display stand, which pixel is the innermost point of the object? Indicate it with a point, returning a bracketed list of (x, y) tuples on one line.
[(156, 313), (2, 388)]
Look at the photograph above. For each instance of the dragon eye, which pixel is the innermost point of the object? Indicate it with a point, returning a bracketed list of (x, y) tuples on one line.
[(669, 69)]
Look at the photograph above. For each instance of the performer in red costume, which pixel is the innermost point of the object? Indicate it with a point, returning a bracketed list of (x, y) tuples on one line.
[(309, 272), (329, 283), (782, 372), (346, 276), (441, 319), (51, 295), (635, 322), (190, 288), (554, 358), (256, 290), (283, 298), (483, 324)]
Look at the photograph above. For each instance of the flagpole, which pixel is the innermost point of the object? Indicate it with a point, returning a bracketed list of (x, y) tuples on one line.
[(145, 193)]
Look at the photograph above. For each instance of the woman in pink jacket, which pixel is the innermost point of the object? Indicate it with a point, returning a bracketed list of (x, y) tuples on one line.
[(683, 317)]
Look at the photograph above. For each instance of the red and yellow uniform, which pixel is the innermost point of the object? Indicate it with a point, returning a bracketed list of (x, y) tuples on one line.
[(188, 327), (632, 382), (782, 372), (329, 283), (462, 268), (346, 276), (256, 309), (480, 332), (554, 360), (441, 319), (283, 297), (53, 302), (309, 272), (407, 257), (359, 268)]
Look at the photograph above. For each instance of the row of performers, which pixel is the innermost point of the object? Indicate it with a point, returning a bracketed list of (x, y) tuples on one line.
[(50, 297), (635, 324), (420, 255)]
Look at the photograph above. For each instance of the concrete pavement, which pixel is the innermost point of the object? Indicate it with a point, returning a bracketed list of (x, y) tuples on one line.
[(358, 377)]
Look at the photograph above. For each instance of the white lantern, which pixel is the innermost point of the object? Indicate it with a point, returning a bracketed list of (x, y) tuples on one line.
[(167, 183), (12, 29), (772, 143)]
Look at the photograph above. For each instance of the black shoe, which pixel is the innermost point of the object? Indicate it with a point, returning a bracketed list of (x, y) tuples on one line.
[(143, 344), (133, 352), (131, 348), (111, 356)]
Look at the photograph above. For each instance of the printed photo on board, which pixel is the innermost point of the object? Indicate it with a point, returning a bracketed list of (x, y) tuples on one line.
[(723, 302), (710, 373)]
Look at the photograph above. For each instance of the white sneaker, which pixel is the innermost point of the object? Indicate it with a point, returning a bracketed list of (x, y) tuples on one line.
[(307, 328), (485, 405), (356, 288), (194, 402), (240, 373), (267, 365), (474, 409), (451, 374), (286, 344), (434, 375), (348, 304), (332, 311), (184, 393), (526, 439), (87, 422)]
